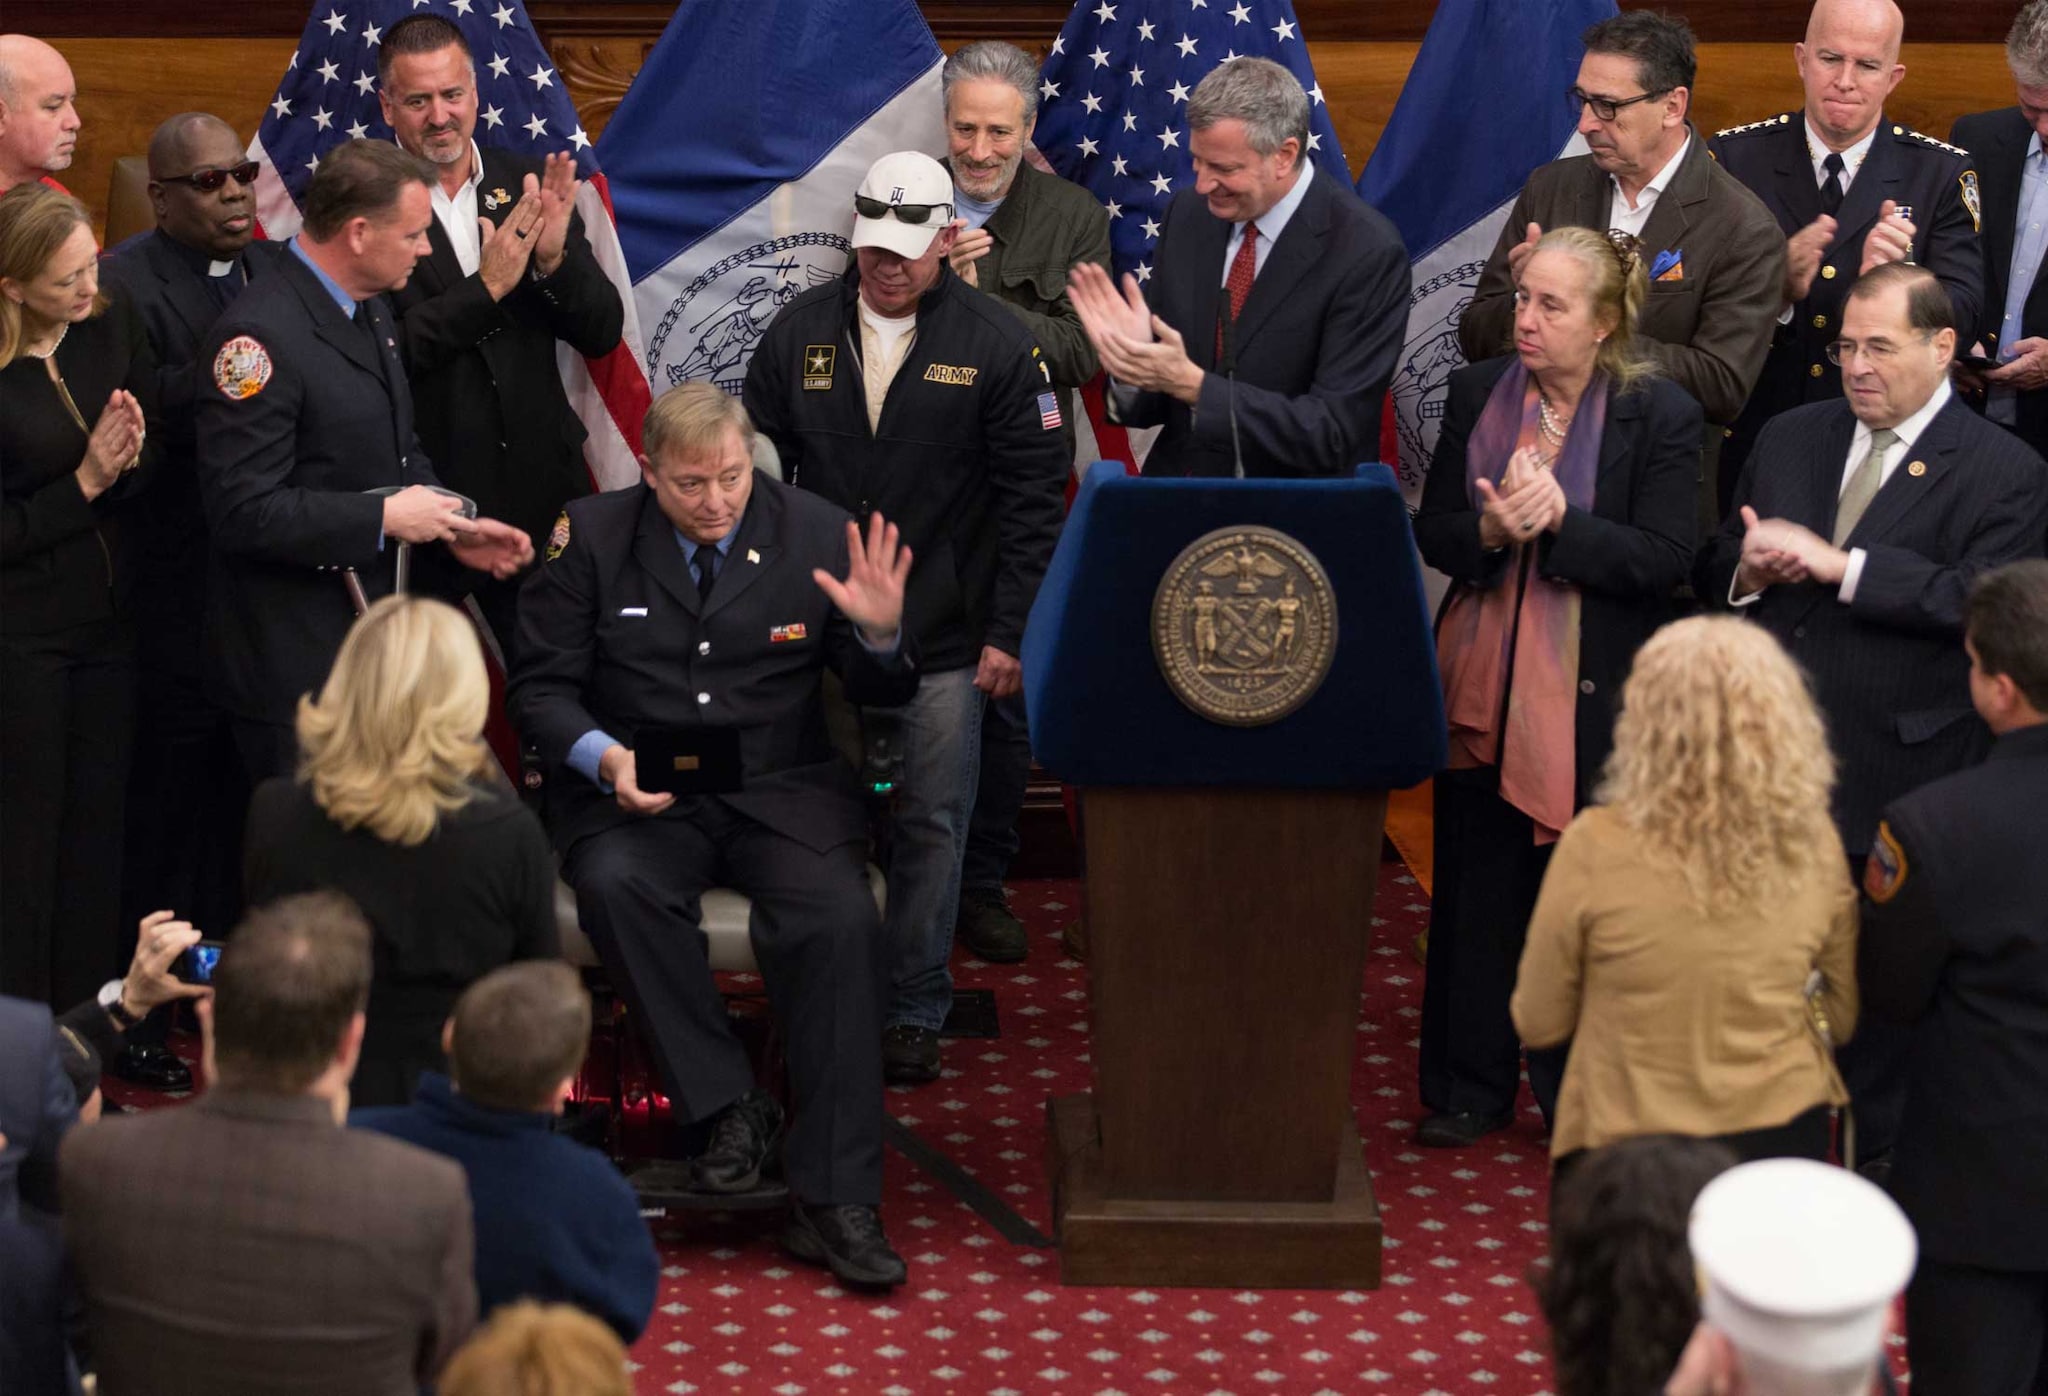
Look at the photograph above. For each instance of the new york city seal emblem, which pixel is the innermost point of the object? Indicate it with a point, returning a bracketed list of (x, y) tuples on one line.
[(1244, 626)]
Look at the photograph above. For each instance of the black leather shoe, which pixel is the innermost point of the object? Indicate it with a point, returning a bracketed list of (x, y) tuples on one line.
[(743, 1139), (1442, 1131), (910, 1055), (157, 1068), (848, 1241), (989, 931)]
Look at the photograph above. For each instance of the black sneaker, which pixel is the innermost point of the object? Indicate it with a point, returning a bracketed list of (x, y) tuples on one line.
[(989, 930), (910, 1055), (1446, 1131), (848, 1241), (742, 1140), (158, 1068)]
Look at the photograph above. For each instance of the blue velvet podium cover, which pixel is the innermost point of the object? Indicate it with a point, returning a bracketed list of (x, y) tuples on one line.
[(1102, 714)]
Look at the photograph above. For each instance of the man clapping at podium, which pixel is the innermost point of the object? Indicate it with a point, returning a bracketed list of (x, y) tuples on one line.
[(1278, 300)]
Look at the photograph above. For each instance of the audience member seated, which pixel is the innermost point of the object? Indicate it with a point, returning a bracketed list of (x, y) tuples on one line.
[(38, 113), (539, 1350), (553, 1219), (247, 1243), (1561, 502), (1695, 940), (77, 383), (37, 1107), (704, 605), (1622, 1296), (392, 806)]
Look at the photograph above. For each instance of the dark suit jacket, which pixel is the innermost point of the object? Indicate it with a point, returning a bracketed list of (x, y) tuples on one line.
[(1713, 326), (613, 637), (488, 397), (1997, 142), (168, 538), (36, 1106), (1959, 946), (1770, 158), (1315, 344), (282, 474), (1627, 554), (310, 1258), (1888, 669)]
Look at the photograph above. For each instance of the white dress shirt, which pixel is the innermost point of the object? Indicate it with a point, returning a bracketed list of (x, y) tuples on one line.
[(1852, 158), (1631, 219), (458, 214)]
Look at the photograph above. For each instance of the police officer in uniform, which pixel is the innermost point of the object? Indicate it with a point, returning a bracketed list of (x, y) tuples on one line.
[(1955, 941), (1851, 191), (702, 603), (306, 409)]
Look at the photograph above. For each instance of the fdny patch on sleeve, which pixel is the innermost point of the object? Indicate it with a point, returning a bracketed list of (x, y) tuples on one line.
[(241, 368), (1049, 411), (1884, 872), (558, 536), (1972, 199)]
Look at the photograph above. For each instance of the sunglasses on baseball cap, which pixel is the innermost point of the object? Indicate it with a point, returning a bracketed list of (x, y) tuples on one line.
[(915, 214)]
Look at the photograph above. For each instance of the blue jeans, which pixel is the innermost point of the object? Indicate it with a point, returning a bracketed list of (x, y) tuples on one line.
[(941, 744)]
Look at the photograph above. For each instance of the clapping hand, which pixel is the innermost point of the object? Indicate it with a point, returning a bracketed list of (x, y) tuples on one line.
[(1528, 501), (1139, 349), (872, 594), (115, 444), (1890, 238), (970, 247), (1778, 550), (1803, 251), (556, 189), (504, 251), (1519, 254)]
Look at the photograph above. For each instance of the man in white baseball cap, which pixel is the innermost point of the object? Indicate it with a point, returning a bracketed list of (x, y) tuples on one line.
[(903, 389), (1801, 1263)]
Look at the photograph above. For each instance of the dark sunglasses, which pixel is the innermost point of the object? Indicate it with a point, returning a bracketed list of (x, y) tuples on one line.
[(905, 213), (207, 181)]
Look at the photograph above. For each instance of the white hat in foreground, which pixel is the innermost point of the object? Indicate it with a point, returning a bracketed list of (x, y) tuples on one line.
[(1802, 1261), (902, 203)]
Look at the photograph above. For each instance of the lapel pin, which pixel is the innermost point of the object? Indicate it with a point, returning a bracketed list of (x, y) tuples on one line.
[(1917, 469), (497, 198), (753, 556)]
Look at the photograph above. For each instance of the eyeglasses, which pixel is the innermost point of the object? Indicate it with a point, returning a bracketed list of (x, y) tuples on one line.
[(1606, 107), (207, 181), (1878, 351), (905, 213)]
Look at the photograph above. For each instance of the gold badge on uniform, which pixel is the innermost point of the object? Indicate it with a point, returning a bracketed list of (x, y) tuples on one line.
[(558, 536), (1972, 200), (241, 368), (947, 373), (818, 367), (1244, 626), (1884, 872)]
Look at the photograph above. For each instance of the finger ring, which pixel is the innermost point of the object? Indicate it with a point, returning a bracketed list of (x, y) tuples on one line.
[(519, 235)]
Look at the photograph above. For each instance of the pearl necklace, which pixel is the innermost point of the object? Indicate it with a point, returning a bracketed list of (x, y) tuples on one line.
[(1549, 423), (62, 330)]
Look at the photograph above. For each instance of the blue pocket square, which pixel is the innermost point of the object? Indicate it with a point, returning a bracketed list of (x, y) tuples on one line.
[(1665, 262)]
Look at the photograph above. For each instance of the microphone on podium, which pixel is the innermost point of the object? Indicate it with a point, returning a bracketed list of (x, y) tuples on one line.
[(1226, 364)]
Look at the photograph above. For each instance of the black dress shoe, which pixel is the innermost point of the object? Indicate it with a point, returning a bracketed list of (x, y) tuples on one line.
[(848, 1241), (1444, 1131), (910, 1055), (743, 1138), (157, 1068), (988, 929)]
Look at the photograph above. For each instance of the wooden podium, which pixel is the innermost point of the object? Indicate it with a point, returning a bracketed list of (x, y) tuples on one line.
[(1230, 873)]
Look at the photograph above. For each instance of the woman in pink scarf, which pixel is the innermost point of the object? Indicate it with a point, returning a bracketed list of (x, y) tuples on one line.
[(1561, 503)]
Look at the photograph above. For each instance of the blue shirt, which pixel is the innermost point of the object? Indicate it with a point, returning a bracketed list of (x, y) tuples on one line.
[(341, 297), (973, 210), (2029, 241), (553, 1219)]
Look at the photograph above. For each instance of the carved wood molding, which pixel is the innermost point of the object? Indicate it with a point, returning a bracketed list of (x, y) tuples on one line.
[(597, 80), (954, 21)]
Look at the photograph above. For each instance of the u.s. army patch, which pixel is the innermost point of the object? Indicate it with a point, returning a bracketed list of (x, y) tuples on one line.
[(1972, 200), (1884, 872), (818, 367), (558, 536), (951, 373), (241, 368)]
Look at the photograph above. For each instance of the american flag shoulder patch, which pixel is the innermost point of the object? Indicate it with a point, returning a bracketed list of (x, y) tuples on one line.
[(1049, 411)]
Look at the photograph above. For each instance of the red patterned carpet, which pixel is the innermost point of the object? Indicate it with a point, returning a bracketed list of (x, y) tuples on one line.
[(983, 1317)]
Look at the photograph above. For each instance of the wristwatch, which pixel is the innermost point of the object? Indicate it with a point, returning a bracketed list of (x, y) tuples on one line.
[(110, 999)]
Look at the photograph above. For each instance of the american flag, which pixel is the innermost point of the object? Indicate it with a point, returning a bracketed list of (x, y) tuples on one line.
[(329, 94), (1112, 112)]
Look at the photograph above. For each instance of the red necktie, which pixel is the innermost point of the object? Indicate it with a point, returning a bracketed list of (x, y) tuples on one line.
[(1239, 283)]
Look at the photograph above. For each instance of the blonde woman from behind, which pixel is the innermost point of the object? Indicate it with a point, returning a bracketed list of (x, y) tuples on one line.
[(393, 807), (1695, 938), (530, 1349)]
